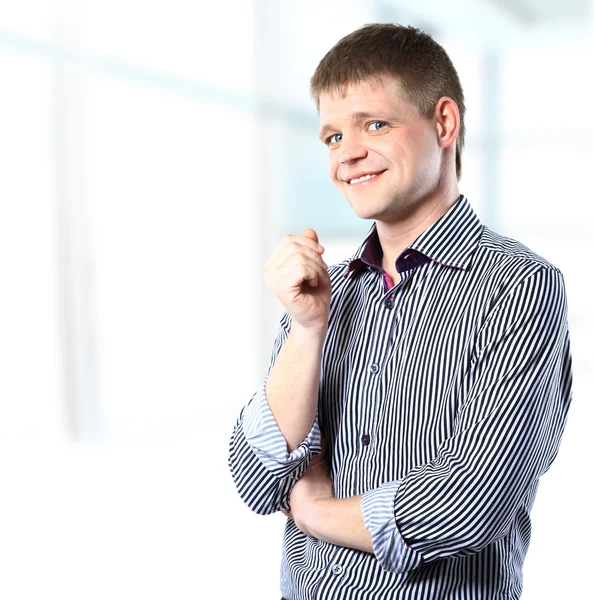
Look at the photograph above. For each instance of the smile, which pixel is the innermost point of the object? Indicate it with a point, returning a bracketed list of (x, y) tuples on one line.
[(363, 179)]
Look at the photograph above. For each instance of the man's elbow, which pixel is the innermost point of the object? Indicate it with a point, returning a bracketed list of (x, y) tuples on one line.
[(260, 500)]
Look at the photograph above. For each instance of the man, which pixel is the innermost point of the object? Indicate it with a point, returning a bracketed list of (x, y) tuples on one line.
[(418, 390)]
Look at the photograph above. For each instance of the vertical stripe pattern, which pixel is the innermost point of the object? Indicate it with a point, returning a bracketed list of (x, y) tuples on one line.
[(443, 400)]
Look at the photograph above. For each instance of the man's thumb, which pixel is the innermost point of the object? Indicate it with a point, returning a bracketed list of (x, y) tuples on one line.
[(311, 234)]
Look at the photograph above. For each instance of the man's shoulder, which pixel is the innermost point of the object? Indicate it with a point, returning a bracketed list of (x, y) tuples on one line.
[(512, 253)]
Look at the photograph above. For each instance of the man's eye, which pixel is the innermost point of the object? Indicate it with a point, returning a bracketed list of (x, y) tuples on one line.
[(379, 124), (333, 138)]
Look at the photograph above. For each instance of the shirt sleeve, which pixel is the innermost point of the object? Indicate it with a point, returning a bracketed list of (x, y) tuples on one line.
[(263, 470), (514, 399), (390, 549), (268, 443)]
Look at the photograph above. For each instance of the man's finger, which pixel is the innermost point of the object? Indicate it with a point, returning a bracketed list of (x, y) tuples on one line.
[(311, 234)]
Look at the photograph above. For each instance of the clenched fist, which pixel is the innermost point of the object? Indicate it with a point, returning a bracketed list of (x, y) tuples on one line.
[(297, 274)]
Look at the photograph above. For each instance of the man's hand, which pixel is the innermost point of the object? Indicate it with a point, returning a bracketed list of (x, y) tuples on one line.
[(298, 276)]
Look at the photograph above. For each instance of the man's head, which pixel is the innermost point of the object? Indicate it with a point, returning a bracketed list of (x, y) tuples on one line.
[(421, 66)]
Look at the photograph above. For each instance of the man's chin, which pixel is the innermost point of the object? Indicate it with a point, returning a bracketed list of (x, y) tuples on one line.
[(365, 212)]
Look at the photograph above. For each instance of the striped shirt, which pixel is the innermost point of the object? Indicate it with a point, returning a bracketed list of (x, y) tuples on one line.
[(442, 399)]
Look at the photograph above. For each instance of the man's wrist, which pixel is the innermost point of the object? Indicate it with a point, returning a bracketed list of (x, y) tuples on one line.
[(307, 335)]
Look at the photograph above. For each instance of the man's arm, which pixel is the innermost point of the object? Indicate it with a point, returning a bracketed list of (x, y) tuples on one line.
[(340, 522), (293, 385), (299, 277), (318, 513), (261, 465), (278, 432), (515, 399)]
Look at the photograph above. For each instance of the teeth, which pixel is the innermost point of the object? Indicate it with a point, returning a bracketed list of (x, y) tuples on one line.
[(365, 177)]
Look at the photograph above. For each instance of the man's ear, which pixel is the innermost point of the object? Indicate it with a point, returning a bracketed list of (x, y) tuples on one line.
[(447, 121)]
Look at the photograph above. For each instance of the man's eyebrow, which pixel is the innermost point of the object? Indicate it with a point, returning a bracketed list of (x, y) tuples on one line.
[(357, 116)]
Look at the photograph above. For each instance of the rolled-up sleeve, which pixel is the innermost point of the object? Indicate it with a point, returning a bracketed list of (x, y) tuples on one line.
[(268, 443), (390, 549), (263, 470)]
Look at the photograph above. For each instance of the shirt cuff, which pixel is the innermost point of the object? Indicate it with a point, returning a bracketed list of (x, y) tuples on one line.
[(390, 549), (268, 443)]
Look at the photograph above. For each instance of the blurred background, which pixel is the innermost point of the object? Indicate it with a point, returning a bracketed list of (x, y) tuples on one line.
[(152, 155)]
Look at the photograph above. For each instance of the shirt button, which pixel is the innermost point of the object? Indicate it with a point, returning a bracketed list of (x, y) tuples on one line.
[(389, 303), (365, 439), (374, 368), (337, 569)]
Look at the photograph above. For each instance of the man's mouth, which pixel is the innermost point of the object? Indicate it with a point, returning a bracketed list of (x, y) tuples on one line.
[(362, 178)]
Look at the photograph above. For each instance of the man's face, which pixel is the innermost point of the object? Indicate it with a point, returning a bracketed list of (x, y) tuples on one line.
[(370, 130)]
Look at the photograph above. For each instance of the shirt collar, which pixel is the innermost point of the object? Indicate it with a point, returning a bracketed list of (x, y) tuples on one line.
[(450, 241)]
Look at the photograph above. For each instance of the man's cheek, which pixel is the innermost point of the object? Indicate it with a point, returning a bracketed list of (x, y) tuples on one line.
[(333, 172)]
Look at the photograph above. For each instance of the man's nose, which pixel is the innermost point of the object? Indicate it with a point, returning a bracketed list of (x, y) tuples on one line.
[(351, 148)]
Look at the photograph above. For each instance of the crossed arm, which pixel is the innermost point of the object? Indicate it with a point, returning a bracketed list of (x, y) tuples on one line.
[(319, 514)]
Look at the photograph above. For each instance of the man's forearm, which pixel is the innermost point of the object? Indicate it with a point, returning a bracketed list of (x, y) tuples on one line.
[(293, 384), (340, 522)]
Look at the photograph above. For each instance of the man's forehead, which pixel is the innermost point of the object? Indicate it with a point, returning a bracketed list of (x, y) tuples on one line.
[(379, 89), (363, 97)]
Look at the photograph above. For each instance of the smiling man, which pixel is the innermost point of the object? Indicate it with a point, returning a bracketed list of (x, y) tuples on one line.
[(419, 389)]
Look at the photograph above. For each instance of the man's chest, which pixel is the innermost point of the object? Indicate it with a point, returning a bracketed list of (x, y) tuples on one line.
[(391, 381)]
